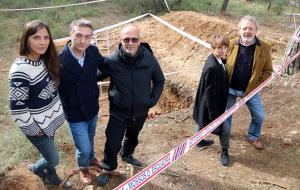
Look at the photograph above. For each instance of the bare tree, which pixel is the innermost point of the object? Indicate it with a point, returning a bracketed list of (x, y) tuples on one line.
[(224, 6), (270, 4), (292, 49)]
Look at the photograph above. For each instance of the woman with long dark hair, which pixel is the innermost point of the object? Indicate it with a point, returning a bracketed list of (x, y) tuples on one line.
[(34, 102)]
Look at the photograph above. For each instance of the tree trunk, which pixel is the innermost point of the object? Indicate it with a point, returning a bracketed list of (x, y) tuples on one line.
[(224, 6), (292, 49), (270, 4)]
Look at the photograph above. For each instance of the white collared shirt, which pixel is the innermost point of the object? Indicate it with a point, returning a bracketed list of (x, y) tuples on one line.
[(221, 63), (80, 60)]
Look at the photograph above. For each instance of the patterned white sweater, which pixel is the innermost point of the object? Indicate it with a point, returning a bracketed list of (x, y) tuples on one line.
[(34, 101)]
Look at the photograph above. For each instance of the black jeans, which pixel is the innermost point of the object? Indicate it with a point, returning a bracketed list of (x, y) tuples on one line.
[(116, 128)]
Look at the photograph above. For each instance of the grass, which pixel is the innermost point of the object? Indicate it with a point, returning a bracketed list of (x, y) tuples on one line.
[(18, 147)]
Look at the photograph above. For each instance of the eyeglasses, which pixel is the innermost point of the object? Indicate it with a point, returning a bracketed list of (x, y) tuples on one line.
[(133, 40)]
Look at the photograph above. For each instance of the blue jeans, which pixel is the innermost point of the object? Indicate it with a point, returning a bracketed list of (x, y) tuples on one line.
[(49, 156), (256, 110), (83, 135)]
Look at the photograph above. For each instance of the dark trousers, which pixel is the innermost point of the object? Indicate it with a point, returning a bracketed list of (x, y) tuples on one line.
[(224, 138), (116, 128)]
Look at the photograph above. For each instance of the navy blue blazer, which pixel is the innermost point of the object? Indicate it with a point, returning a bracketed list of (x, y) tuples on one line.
[(78, 88)]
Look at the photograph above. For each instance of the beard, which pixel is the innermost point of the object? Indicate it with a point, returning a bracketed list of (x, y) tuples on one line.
[(247, 39)]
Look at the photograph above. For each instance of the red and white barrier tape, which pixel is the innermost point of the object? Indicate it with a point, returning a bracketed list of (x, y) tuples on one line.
[(144, 176), (183, 33)]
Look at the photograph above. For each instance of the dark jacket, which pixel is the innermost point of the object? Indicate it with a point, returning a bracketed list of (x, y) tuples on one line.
[(212, 93), (78, 85), (135, 83)]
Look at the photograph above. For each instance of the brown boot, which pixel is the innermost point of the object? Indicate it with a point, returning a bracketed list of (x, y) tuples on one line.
[(97, 163), (257, 144), (85, 176)]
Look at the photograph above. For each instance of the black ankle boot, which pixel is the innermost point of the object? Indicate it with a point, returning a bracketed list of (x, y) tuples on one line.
[(224, 157), (32, 169), (102, 180), (205, 143), (54, 180), (132, 160)]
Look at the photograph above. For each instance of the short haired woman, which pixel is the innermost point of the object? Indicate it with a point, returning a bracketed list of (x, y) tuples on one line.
[(212, 93)]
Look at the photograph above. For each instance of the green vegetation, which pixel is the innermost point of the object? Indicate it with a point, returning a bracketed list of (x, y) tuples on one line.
[(236, 8), (15, 147), (59, 19)]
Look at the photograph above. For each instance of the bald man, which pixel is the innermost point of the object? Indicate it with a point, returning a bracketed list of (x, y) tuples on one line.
[(136, 83)]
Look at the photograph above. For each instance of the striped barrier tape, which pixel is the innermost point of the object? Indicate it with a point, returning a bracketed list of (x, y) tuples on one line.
[(144, 176), (148, 173), (53, 7), (183, 33)]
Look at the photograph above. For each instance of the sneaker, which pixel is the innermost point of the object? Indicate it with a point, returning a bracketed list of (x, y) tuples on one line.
[(102, 180), (205, 143), (85, 177), (131, 160), (224, 157), (95, 162), (256, 143), (41, 174)]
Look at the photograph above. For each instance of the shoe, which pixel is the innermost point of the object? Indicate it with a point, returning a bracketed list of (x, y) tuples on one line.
[(95, 162), (85, 177), (131, 160), (41, 174), (67, 185), (55, 180), (224, 157), (205, 143), (256, 143), (102, 180)]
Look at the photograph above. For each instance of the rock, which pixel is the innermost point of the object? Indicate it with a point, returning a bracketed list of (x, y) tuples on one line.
[(243, 151), (89, 187), (285, 84), (288, 141), (2, 174), (294, 132)]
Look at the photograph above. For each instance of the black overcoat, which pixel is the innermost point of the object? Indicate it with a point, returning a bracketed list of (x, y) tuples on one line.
[(212, 93)]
